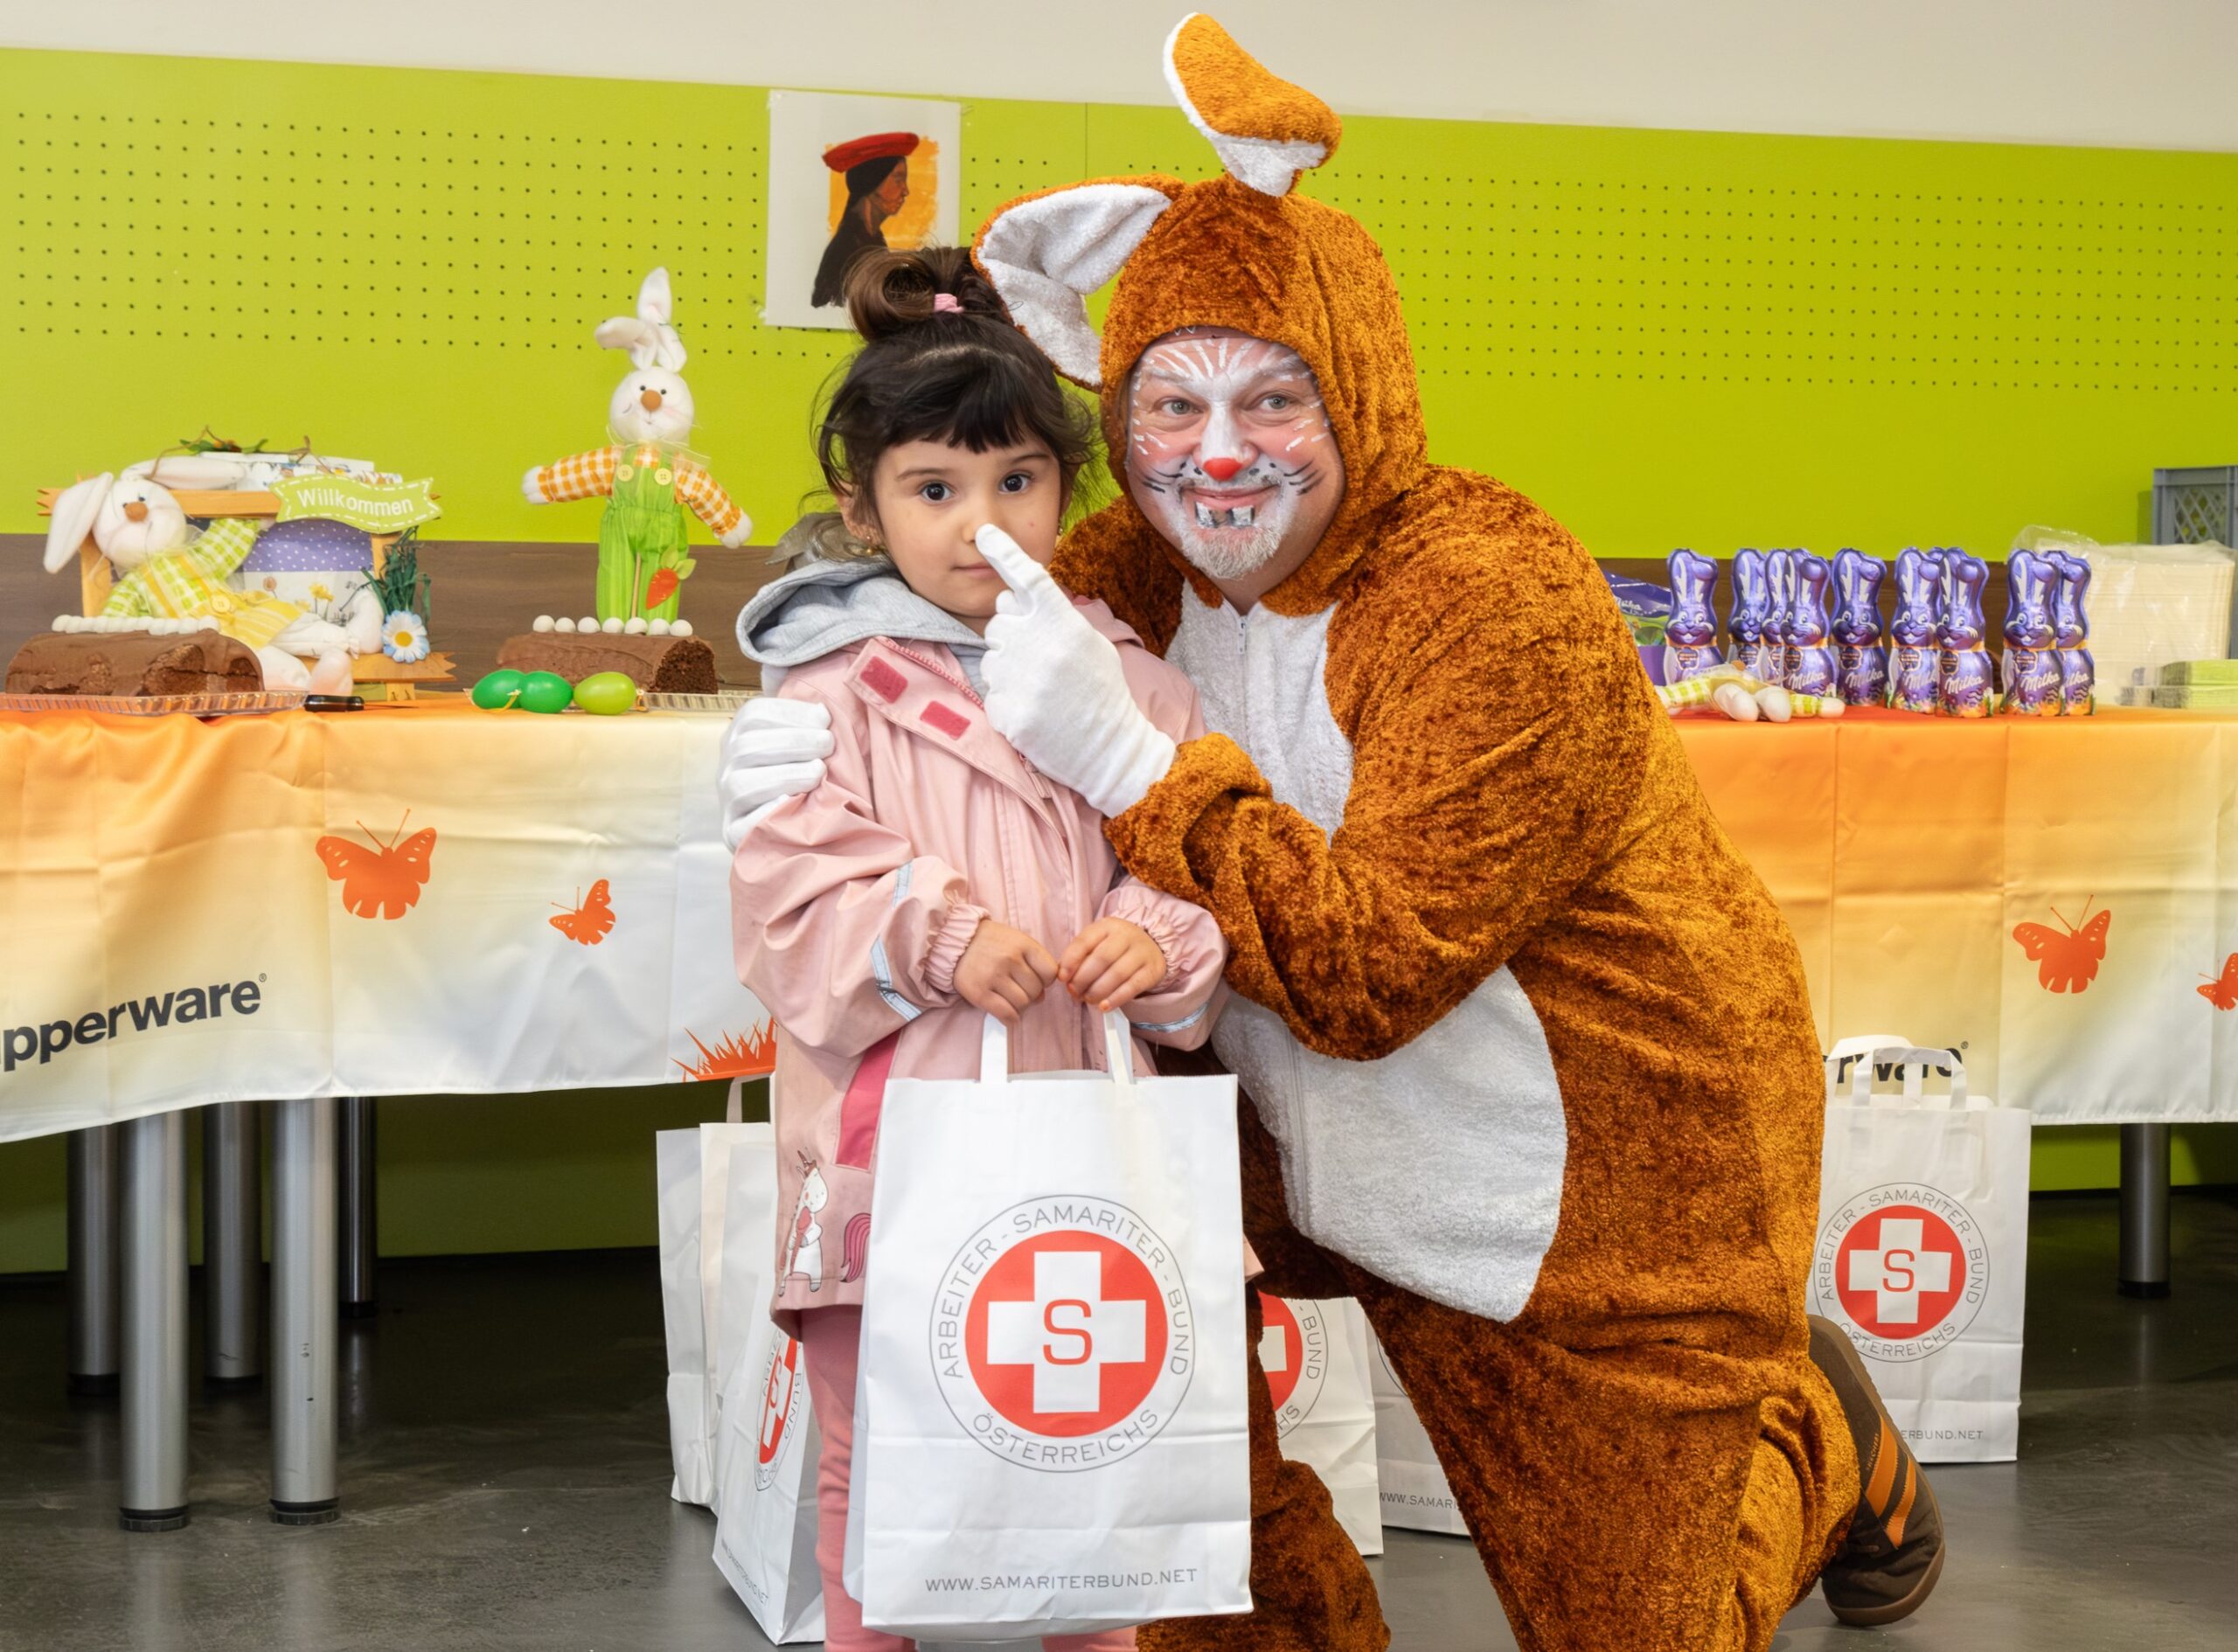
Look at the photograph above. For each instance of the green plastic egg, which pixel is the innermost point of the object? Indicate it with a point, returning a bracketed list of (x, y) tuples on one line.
[(498, 690), (609, 693), (545, 691)]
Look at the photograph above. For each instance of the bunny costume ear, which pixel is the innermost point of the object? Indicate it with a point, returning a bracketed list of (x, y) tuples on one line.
[(75, 511), (1265, 130), (1046, 253), (647, 335)]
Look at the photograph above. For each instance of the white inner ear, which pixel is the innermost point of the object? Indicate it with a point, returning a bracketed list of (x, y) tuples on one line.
[(653, 302), (1045, 255), (1265, 164)]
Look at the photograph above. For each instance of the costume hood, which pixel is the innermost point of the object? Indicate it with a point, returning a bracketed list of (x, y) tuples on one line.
[(1242, 250)]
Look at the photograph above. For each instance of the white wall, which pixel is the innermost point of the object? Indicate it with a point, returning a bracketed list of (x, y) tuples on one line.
[(2130, 72)]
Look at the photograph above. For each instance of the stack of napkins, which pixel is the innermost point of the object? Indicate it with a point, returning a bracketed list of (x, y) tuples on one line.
[(2153, 606), (2195, 685)]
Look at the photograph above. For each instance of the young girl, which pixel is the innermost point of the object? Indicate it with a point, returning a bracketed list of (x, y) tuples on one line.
[(934, 878)]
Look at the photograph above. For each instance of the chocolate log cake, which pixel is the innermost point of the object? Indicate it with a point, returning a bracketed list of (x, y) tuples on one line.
[(656, 664), (134, 663)]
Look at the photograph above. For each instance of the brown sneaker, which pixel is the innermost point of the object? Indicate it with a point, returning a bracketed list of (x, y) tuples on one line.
[(1888, 1562)]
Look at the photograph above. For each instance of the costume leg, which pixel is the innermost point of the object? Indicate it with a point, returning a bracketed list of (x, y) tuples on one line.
[(1310, 1591), (1636, 1497)]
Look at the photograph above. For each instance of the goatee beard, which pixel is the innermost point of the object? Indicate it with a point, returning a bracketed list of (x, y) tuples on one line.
[(1230, 554)]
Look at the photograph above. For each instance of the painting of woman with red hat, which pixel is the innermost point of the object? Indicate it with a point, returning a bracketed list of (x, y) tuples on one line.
[(877, 171), (850, 175)]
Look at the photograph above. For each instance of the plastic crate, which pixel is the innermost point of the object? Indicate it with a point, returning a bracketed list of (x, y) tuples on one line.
[(2195, 505)]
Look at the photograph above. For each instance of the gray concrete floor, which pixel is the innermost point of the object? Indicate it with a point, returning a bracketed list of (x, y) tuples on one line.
[(505, 1474)]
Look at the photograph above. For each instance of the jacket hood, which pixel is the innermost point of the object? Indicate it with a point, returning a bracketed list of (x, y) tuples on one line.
[(1243, 251), (822, 605)]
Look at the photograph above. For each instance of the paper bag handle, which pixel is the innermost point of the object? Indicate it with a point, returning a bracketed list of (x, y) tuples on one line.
[(734, 1108), (1913, 1063), (1118, 1050)]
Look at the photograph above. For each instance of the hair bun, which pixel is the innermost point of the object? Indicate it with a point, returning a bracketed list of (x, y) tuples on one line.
[(889, 290)]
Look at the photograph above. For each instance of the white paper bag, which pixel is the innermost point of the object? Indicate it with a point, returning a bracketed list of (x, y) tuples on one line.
[(1315, 1357), (1922, 1252), (766, 1442), (1050, 1431), (1409, 1477), (691, 1172)]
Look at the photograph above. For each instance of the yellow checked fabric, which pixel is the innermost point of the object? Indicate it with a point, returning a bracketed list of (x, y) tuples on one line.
[(591, 474), (190, 584)]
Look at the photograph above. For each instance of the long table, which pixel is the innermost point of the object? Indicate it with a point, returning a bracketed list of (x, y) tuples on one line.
[(311, 910)]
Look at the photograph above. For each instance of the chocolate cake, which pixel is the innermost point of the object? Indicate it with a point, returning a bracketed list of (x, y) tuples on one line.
[(135, 663), (656, 664)]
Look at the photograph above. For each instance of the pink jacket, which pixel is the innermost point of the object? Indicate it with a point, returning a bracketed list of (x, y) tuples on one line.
[(851, 905)]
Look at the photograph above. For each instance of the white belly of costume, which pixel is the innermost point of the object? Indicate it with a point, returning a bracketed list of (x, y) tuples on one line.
[(1438, 1167)]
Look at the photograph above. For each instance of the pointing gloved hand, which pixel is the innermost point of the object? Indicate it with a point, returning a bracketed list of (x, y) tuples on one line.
[(1056, 691), (774, 749)]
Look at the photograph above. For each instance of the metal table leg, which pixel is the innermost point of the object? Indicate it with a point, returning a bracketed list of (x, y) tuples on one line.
[(233, 1248), (304, 1328), (2145, 1210), (92, 1260), (359, 1210), (152, 1230)]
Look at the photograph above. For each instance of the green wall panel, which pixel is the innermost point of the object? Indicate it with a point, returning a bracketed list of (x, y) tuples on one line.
[(1668, 336)]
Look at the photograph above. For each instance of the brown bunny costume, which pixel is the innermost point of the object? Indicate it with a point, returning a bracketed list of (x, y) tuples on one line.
[(1532, 1058)]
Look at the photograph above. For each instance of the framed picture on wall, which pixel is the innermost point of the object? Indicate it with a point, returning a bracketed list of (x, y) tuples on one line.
[(847, 175)]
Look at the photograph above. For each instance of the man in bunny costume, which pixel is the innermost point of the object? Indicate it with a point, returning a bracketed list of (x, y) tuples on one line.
[(1534, 1071)]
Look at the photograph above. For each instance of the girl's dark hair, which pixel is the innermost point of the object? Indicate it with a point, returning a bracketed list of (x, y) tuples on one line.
[(965, 377)]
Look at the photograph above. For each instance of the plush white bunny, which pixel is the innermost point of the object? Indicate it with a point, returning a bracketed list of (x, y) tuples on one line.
[(165, 571), (645, 474)]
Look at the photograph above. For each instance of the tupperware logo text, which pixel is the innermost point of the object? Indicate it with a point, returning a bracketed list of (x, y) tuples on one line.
[(180, 1007)]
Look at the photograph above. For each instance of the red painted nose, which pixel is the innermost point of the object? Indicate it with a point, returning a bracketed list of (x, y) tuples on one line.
[(1221, 469)]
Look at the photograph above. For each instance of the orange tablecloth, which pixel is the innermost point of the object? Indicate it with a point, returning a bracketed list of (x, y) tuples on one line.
[(1906, 851), (358, 904)]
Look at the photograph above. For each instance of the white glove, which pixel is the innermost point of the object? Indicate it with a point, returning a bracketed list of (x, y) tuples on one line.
[(1056, 691), (774, 749)]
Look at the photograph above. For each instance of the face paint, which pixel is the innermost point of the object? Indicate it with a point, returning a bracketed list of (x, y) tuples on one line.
[(1229, 451)]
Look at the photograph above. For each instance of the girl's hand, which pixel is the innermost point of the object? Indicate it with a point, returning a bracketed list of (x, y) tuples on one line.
[(1004, 971), (1111, 963)]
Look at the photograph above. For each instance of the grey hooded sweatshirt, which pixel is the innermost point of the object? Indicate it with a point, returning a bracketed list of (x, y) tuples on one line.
[(819, 606)]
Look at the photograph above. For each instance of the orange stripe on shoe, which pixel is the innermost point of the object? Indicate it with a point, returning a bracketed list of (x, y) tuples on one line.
[(1886, 1457), (1904, 1506)]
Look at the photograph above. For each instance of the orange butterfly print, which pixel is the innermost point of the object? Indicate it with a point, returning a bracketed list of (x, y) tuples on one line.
[(2222, 994), (2065, 963), (589, 922), (378, 881)]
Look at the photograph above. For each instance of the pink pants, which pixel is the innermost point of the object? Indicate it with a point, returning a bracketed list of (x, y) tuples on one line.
[(831, 1337)]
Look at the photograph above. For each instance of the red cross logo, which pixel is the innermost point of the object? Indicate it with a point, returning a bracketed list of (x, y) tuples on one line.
[(1900, 1272), (1066, 1334), (1281, 1350), (778, 1400)]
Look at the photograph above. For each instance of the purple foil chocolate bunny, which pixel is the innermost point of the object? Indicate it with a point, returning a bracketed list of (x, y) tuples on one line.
[(1963, 673), (1913, 667), (1752, 608), (1859, 655), (2030, 673), (1690, 638), (1811, 665), (1779, 578), (2071, 632)]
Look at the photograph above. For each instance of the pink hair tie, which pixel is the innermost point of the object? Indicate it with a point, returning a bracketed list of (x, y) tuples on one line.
[(947, 304)]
